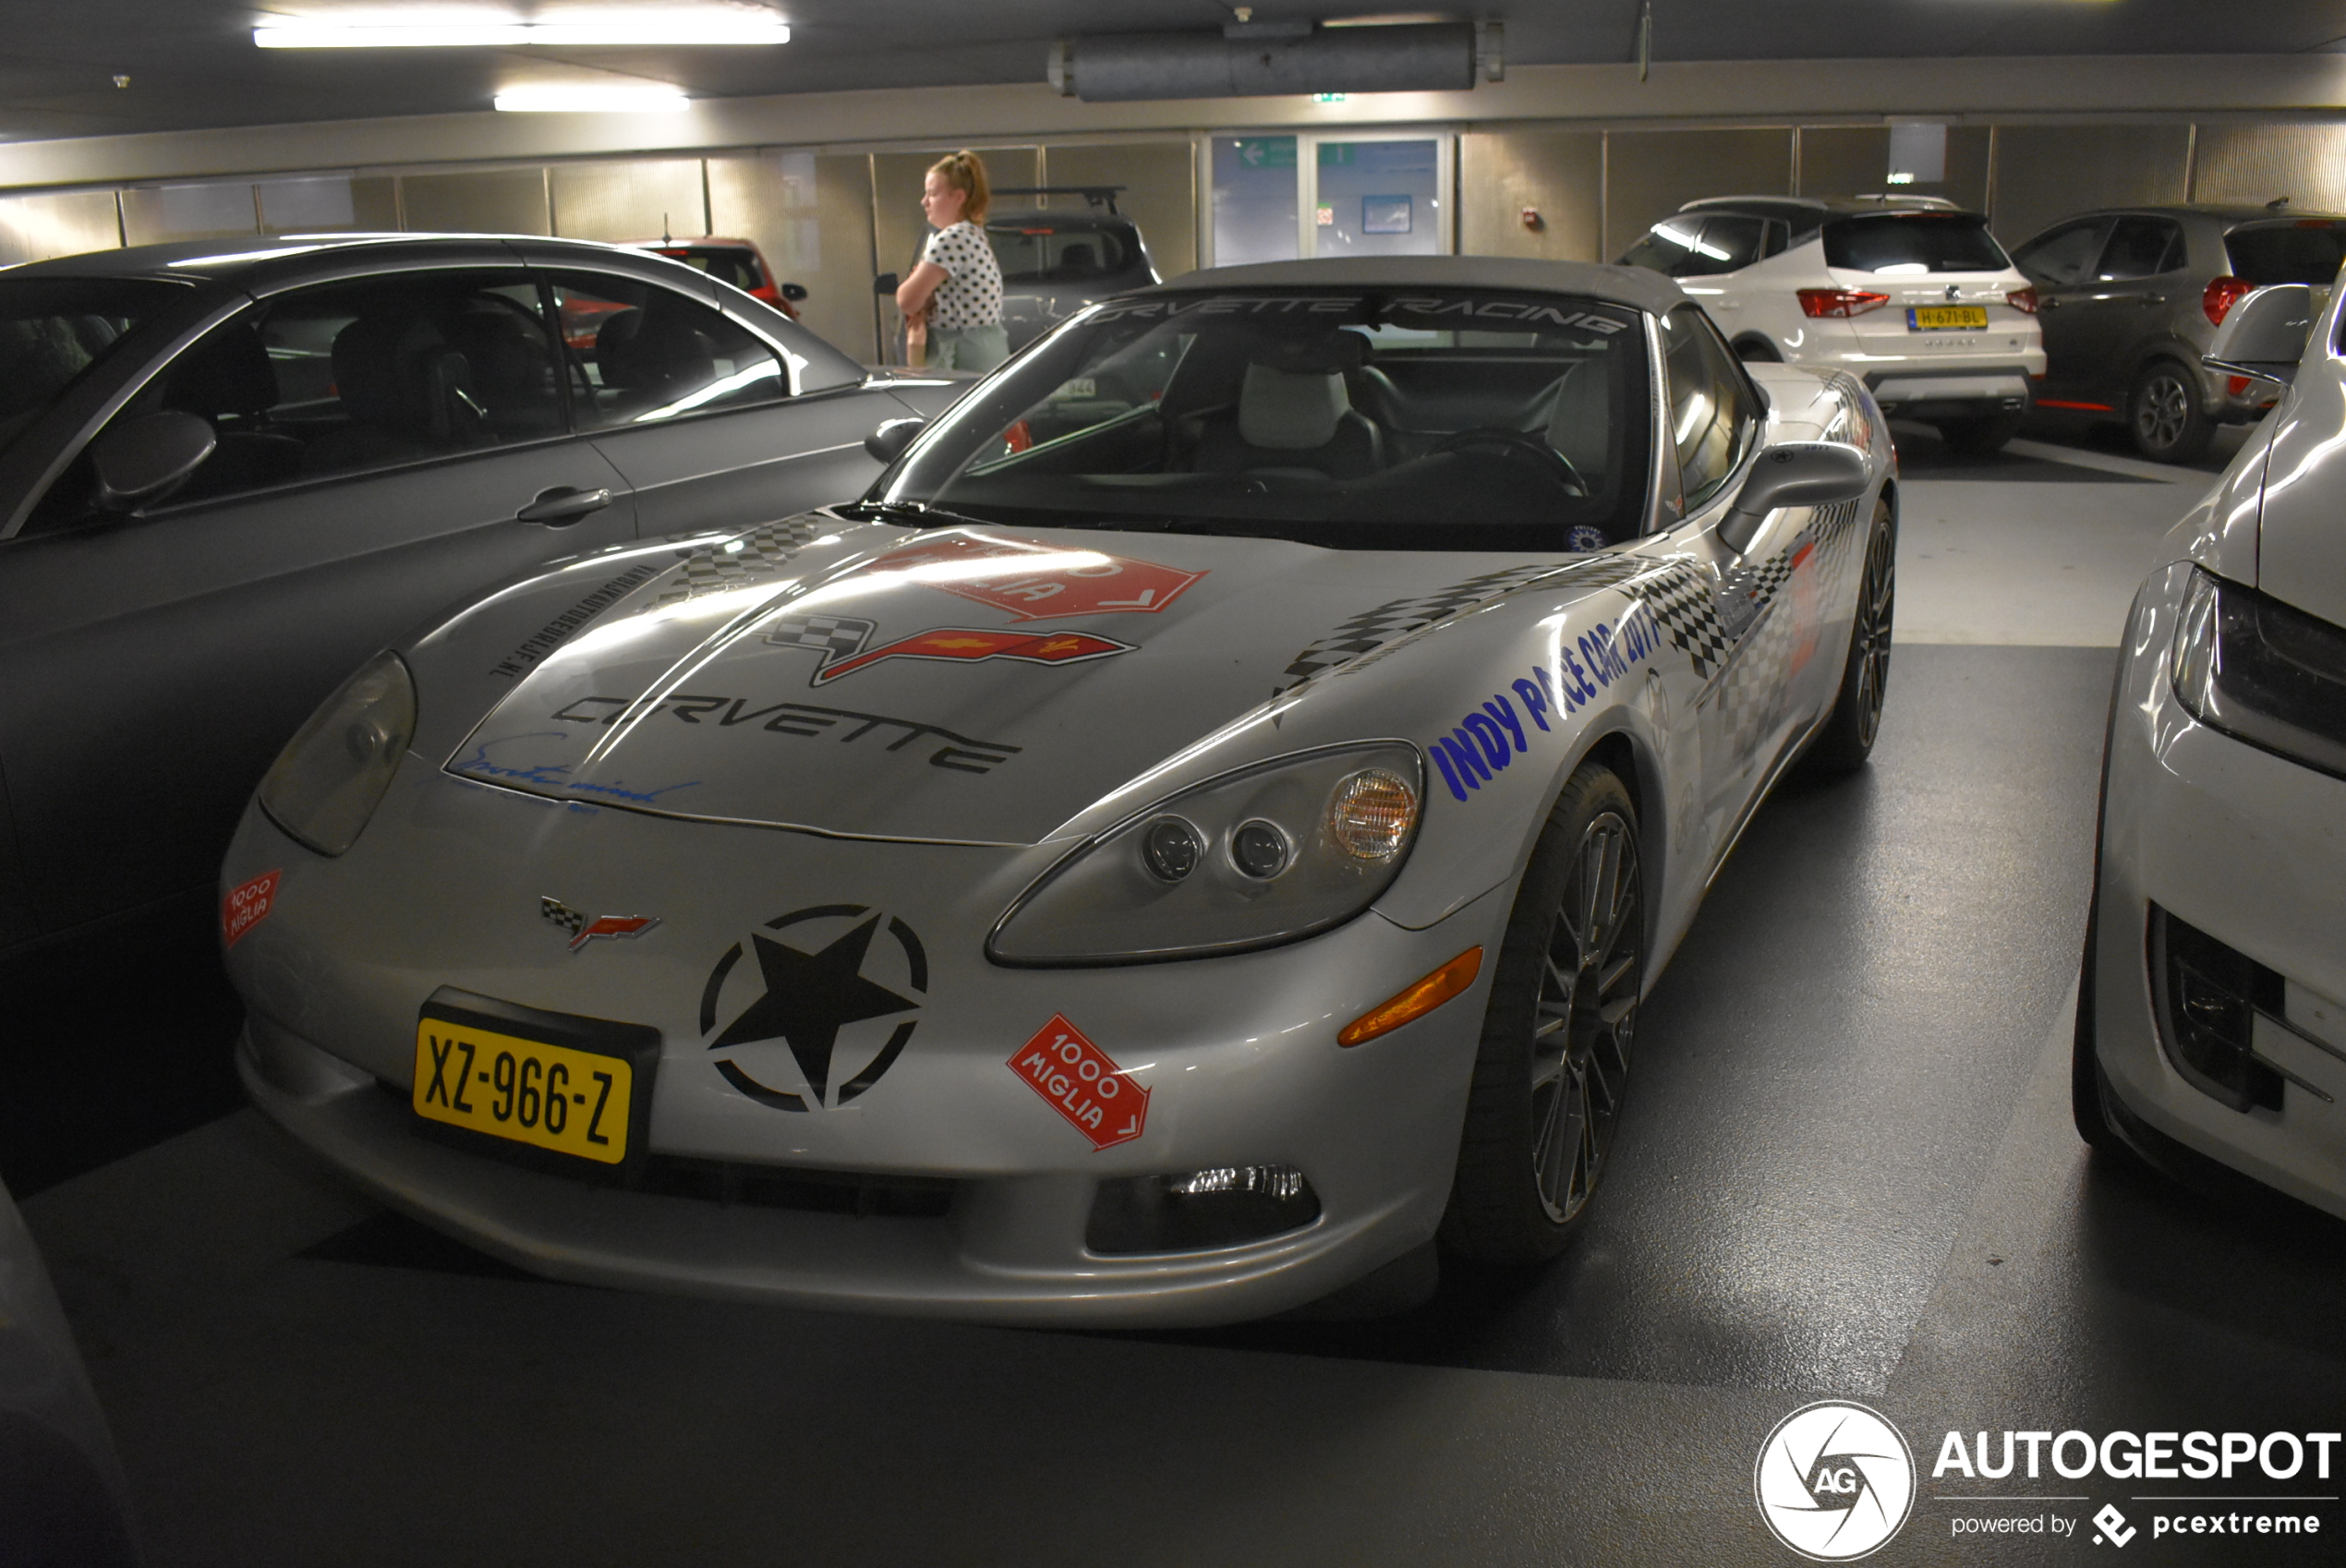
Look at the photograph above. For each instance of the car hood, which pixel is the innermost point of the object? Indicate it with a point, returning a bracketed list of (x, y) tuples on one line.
[(970, 686)]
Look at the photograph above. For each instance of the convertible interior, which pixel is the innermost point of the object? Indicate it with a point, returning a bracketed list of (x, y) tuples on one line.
[(1427, 440)]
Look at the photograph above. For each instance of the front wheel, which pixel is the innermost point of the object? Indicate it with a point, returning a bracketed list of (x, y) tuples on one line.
[(2163, 414), (1558, 1034), (1846, 739)]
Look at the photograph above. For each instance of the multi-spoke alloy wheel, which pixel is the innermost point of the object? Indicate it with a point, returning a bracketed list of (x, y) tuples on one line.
[(1557, 1035), (1849, 731), (2163, 412), (1588, 1018)]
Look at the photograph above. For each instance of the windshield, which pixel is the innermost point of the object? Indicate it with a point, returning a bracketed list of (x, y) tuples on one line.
[(53, 330), (1914, 242), (1465, 420)]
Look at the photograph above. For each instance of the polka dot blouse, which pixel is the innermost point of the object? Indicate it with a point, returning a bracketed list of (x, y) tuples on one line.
[(972, 296)]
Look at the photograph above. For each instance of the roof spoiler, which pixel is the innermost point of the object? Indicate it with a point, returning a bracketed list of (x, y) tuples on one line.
[(1097, 194)]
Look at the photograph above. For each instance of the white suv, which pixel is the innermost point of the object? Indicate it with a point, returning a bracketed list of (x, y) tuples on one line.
[(1911, 295)]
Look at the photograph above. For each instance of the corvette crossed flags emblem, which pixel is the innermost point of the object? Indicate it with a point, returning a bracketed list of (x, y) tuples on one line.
[(583, 930)]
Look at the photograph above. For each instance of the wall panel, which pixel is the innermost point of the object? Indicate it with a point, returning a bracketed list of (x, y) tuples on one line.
[(2253, 164), (495, 202), (629, 199), (812, 217), (33, 228), (1160, 191), (2045, 172), (1556, 172), (155, 213), (1650, 174)]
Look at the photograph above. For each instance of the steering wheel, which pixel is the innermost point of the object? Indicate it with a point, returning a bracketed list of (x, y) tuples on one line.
[(1518, 446)]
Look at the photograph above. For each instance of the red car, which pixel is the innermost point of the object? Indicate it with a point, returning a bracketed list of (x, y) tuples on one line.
[(735, 262)]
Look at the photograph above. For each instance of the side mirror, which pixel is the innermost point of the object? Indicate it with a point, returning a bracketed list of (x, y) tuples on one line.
[(2264, 335), (888, 442), (143, 460), (884, 283), (1795, 474), (794, 292)]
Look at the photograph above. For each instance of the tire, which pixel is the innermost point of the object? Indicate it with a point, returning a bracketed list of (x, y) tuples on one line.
[(1846, 739), (2163, 414), (1757, 351), (1557, 1037), (1981, 437)]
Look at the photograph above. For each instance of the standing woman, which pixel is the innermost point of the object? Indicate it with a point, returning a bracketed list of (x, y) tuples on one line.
[(958, 283)]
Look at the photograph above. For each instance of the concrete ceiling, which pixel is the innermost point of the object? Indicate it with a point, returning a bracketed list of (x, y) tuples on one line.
[(191, 63)]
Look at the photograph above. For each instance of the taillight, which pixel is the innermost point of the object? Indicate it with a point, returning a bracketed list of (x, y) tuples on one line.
[(2023, 299), (2235, 385), (2221, 295), (1842, 302)]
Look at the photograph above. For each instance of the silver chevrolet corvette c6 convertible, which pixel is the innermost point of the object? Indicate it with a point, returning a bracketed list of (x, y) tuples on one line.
[(1197, 833)]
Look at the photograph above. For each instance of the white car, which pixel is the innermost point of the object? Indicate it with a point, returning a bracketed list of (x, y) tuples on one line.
[(1911, 295), (2211, 1012), (1205, 827)]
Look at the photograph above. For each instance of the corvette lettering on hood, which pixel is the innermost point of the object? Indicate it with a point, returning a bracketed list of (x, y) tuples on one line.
[(999, 682)]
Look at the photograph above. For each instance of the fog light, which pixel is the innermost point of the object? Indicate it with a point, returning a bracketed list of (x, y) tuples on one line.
[(1222, 1206), (2208, 997)]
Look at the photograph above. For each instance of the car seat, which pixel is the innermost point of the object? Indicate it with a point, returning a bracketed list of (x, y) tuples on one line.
[(1294, 416), (511, 371), (1580, 419), (406, 393), (1080, 260), (653, 358), (229, 381)]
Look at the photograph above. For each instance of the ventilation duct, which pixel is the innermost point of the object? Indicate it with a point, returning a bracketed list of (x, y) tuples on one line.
[(1277, 59)]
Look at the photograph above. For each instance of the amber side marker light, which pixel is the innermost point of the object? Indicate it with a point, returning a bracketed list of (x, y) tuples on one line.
[(1420, 999)]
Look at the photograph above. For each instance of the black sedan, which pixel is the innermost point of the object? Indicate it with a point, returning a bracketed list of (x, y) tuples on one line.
[(230, 471)]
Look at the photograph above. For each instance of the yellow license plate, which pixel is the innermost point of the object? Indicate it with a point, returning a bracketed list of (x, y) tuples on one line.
[(1947, 317), (525, 1091)]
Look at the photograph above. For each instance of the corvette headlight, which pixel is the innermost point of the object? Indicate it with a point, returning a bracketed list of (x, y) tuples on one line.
[(1256, 857), (331, 776), (2263, 672)]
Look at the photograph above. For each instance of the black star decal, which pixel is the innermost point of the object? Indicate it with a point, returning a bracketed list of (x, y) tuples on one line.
[(809, 997)]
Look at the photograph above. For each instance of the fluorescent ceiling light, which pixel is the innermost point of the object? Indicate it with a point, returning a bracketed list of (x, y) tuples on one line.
[(721, 28), (591, 101)]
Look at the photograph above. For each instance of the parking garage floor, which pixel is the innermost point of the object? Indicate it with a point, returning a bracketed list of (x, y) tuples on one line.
[(1848, 1171)]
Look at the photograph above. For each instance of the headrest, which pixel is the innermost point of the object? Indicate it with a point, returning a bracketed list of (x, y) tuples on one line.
[(1291, 411), (1336, 351), (388, 370), (231, 374), (506, 357), (637, 348)]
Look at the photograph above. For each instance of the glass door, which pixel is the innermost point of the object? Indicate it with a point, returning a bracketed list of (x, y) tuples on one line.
[(1381, 198), (1255, 199)]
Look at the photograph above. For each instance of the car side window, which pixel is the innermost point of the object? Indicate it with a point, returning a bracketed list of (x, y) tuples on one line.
[(1711, 416), (2063, 257), (1668, 248), (346, 377), (2141, 248), (640, 353)]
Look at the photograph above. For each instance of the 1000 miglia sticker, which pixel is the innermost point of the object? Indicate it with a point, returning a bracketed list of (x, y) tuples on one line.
[(1487, 740)]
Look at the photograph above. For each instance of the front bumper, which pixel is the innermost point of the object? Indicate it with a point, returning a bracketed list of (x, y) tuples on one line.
[(2249, 848), (1239, 1055)]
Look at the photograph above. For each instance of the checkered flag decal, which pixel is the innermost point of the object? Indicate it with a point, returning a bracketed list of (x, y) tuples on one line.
[(760, 552), (1682, 605), (1397, 618), (834, 637)]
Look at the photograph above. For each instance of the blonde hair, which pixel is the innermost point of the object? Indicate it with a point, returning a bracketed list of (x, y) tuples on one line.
[(966, 172)]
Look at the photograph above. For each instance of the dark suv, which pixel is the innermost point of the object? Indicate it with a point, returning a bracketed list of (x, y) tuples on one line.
[(1055, 261), (2130, 297)]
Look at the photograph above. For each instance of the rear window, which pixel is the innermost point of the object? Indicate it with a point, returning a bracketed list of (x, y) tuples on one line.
[(1040, 253), (1688, 247), (2303, 251), (1913, 242), (53, 331)]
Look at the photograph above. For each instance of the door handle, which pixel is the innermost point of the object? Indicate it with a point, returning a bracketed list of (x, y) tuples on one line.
[(2051, 302), (2154, 299), (563, 503)]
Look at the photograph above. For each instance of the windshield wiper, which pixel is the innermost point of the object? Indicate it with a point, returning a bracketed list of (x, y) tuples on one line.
[(919, 514)]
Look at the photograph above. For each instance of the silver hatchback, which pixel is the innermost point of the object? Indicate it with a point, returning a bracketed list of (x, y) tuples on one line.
[(2129, 300)]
